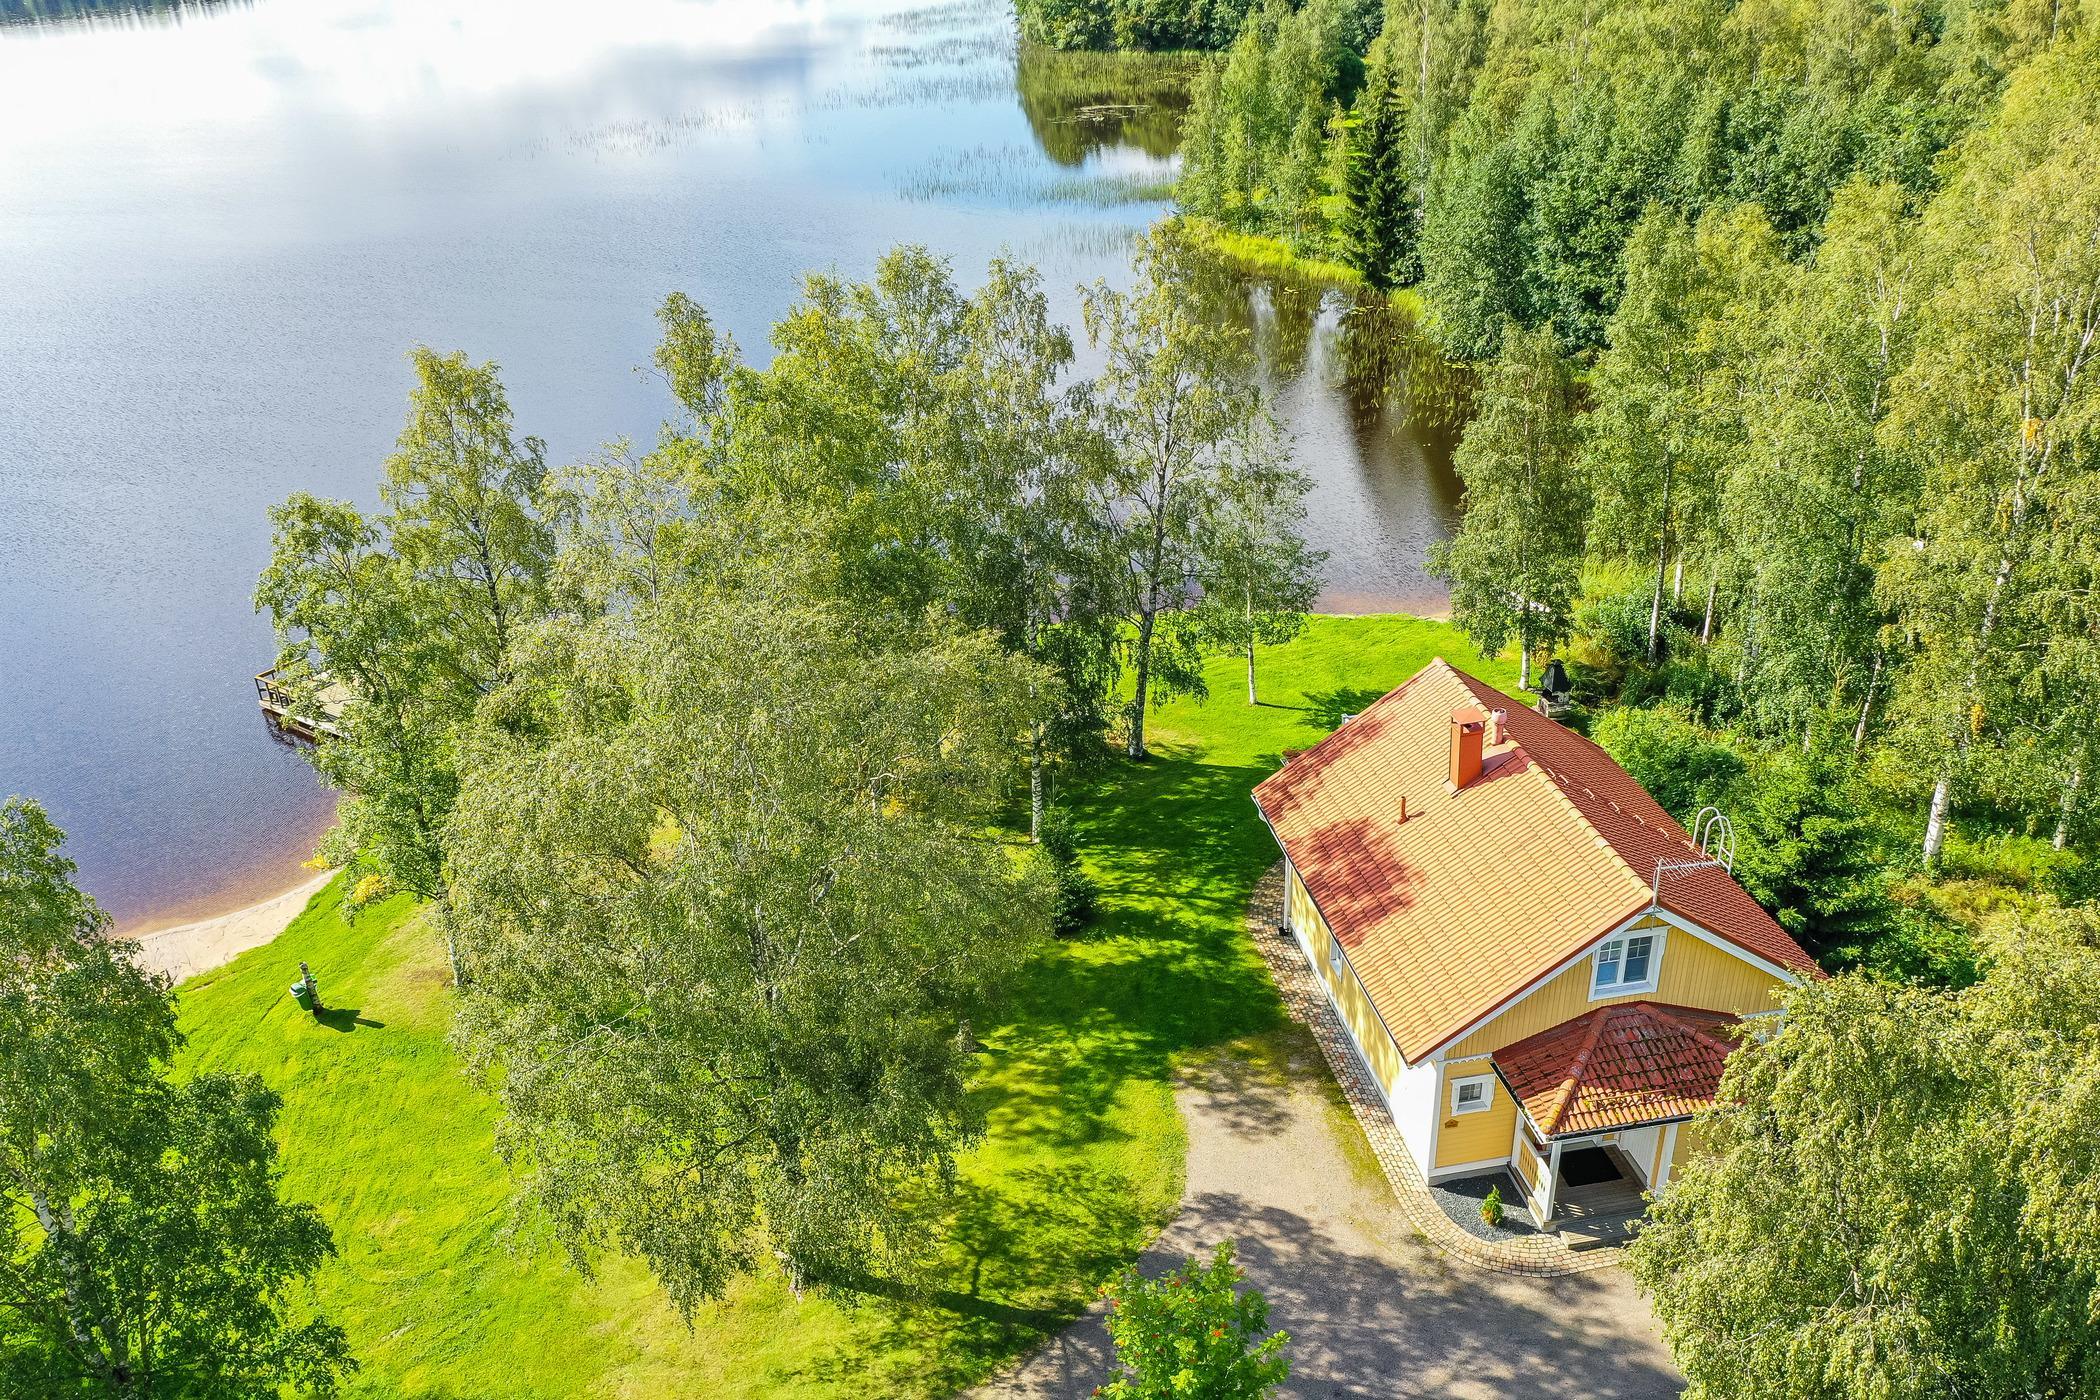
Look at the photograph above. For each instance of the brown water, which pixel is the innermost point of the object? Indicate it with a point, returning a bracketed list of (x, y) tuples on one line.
[(221, 226)]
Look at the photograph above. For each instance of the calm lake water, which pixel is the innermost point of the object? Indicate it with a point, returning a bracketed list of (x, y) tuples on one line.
[(221, 227)]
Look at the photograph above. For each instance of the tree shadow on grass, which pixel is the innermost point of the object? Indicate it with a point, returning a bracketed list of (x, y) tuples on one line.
[(1328, 708), (995, 1267)]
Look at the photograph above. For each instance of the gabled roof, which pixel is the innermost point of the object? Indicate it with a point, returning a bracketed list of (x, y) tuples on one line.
[(1483, 891), (1618, 1066)]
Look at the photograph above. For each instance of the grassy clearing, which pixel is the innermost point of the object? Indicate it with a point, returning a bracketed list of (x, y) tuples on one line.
[(1082, 1165), (1261, 256)]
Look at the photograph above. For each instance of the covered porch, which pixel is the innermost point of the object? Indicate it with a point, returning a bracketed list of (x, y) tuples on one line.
[(1601, 1102)]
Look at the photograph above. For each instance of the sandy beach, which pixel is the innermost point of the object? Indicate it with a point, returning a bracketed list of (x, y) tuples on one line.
[(188, 949)]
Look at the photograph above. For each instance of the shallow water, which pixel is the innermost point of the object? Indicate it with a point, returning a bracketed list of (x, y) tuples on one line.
[(222, 225)]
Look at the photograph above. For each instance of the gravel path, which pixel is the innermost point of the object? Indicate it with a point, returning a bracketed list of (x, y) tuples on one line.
[(1372, 1309)]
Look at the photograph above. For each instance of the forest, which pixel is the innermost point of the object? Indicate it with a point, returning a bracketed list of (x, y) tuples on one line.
[(1784, 318)]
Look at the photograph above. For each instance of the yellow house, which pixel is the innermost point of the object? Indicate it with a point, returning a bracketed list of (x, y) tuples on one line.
[(1541, 969)]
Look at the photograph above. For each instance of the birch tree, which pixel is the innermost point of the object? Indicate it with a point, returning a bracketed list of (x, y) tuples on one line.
[(144, 1250), (1190, 431), (2001, 406), (730, 912), (1515, 566)]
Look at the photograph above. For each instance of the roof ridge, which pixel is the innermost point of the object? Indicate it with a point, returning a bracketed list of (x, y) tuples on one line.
[(1565, 1094)]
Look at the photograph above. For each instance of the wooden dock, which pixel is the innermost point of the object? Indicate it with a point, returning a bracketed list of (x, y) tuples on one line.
[(277, 703)]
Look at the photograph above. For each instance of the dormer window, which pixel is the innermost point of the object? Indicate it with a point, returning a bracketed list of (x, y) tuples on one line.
[(1624, 965)]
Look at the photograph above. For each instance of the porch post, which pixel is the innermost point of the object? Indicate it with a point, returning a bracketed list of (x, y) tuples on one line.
[(1552, 1183)]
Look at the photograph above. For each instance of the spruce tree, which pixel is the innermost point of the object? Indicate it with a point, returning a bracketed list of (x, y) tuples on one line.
[(1382, 207)]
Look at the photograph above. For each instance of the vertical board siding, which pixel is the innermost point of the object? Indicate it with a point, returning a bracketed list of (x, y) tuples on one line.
[(1693, 973), (1475, 1137), (1350, 1000)]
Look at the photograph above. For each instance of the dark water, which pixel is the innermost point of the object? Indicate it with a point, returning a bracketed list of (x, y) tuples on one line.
[(221, 225)]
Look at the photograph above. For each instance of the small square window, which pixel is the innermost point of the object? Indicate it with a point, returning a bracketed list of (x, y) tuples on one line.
[(1473, 1094)]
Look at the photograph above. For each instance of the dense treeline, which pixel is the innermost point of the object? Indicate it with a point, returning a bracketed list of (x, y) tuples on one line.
[(705, 757), (1787, 416), (1499, 156), (1848, 496)]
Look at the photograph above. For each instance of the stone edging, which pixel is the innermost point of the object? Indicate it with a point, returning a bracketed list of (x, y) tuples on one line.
[(1542, 1256)]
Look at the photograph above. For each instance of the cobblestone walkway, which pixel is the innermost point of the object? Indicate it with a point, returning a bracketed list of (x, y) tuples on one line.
[(1543, 1256)]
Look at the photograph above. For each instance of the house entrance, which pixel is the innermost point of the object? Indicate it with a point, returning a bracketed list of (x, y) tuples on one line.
[(1588, 1166)]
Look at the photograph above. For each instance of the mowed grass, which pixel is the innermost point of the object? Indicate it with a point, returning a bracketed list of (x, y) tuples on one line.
[(1082, 1164)]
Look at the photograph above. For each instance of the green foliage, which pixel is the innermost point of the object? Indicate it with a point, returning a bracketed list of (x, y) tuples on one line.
[(1255, 149), (1132, 24), (1516, 562), (1807, 853), (146, 1249), (782, 825), (1193, 1332), (1507, 167), (1199, 487), (1898, 1191), (1380, 230), (1491, 1208), (402, 622), (1682, 766), (1074, 894)]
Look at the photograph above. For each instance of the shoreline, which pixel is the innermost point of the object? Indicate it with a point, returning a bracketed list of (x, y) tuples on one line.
[(203, 945)]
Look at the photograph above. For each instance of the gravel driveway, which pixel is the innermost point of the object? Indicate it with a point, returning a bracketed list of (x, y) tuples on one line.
[(1372, 1309)]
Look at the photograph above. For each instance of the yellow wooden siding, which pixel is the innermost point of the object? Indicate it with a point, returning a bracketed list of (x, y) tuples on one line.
[(1349, 997), (1693, 973), (1691, 1140), (1474, 1137)]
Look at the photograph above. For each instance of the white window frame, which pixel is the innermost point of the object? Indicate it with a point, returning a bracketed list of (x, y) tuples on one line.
[(1616, 945), (1487, 1093)]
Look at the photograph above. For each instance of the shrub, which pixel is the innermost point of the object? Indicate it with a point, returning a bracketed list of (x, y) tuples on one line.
[(1073, 894), (1491, 1208), (1679, 764), (1192, 1333)]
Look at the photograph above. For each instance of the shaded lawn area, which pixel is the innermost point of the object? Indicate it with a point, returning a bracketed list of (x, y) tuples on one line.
[(1081, 1167)]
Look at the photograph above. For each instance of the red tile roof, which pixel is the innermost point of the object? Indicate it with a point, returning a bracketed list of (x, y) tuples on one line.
[(1619, 1066), (1481, 892)]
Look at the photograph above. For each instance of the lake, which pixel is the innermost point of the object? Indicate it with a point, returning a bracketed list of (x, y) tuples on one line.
[(222, 225)]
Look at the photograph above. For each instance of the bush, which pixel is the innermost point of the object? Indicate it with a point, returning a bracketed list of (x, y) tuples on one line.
[(1491, 1208), (1192, 1334), (1680, 765), (1073, 894), (1805, 852)]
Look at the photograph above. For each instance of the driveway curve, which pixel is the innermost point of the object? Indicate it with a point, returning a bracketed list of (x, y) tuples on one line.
[(1276, 1162)]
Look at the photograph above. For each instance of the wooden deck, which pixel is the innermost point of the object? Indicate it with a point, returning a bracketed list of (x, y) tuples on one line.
[(278, 705)]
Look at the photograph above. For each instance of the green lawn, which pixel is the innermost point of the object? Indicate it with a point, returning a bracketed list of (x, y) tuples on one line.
[(1082, 1165)]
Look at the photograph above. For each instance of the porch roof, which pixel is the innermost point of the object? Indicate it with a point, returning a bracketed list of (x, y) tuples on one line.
[(1618, 1067)]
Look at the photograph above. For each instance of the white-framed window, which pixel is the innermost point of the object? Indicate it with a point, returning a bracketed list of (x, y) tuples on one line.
[(1626, 964), (1475, 1093)]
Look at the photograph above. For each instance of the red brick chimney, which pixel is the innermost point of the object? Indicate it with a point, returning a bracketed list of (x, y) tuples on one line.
[(1468, 732)]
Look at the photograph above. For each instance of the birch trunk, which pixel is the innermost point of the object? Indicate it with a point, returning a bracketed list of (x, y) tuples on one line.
[(1866, 706), (1936, 822), (2070, 803)]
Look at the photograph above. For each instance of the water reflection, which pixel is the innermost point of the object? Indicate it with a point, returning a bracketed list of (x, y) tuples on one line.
[(1080, 104), (222, 234), (1374, 411), (83, 12)]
